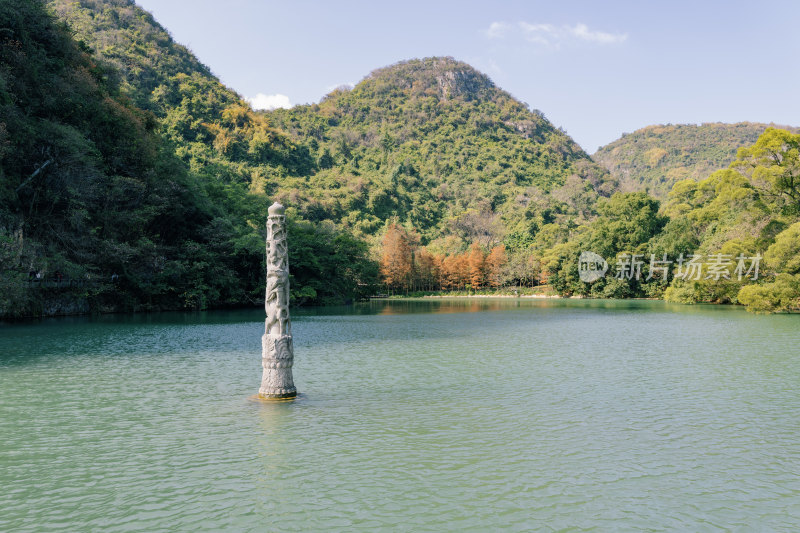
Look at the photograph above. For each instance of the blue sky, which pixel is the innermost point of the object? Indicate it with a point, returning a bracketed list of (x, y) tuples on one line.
[(596, 69)]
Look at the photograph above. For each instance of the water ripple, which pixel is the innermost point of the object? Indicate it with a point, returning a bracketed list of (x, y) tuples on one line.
[(440, 416)]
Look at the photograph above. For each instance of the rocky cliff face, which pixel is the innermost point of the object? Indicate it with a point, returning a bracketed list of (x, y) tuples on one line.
[(465, 83)]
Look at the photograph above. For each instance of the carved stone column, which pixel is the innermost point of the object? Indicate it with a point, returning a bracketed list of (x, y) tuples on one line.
[(277, 353)]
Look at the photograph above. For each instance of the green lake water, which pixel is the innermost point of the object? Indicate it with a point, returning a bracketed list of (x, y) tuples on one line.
[(436, 415)]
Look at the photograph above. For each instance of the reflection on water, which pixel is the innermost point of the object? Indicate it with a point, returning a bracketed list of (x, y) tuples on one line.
[(414, 414), (474, 304)]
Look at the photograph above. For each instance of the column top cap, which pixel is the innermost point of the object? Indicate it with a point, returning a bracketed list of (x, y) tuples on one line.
[(276, 209)]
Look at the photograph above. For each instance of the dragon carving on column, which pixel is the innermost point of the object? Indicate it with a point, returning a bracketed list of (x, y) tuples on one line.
[(277, 350)]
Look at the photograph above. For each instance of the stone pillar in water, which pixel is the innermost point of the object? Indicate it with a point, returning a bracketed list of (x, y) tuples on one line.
[(277, 353)]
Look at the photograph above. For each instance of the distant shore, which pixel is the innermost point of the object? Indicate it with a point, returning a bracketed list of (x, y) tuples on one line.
[(539, 296), (501, 293), (534, 296)]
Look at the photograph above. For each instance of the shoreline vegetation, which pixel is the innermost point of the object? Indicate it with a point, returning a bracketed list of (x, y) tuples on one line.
[(143, 185), (546, 296), (540, 291)]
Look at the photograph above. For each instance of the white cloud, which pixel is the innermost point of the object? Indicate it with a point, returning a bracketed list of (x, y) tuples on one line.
[(551, 36), (545, 34), (269, 101), (497, 30), (582, 31)]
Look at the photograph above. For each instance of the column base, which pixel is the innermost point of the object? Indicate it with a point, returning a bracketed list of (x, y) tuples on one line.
[(277, 396)]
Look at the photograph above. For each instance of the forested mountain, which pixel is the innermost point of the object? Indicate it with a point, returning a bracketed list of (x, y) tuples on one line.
[(96, 205), (424, 142), (126, 157), (88, 188), (434, 144), (431, 144), (740, 227), (654, 158), (212, 128), (128, 168), (752, 207), (438, 126)]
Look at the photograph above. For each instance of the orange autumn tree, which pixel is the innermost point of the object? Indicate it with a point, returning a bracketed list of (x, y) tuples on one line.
[(397, 260), (475, 261), (462, 270), (426, 270), (445, 267), (450, 275), (405, 265), (494, 266)]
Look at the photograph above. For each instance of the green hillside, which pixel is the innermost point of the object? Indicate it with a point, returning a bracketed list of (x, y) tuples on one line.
[(723, 223), (752, 207), (213, 129), (654, 158), (122, 155), (125, 156), (420, 135), (97, 211), (88, 189), (431, 144), (435, 145)]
